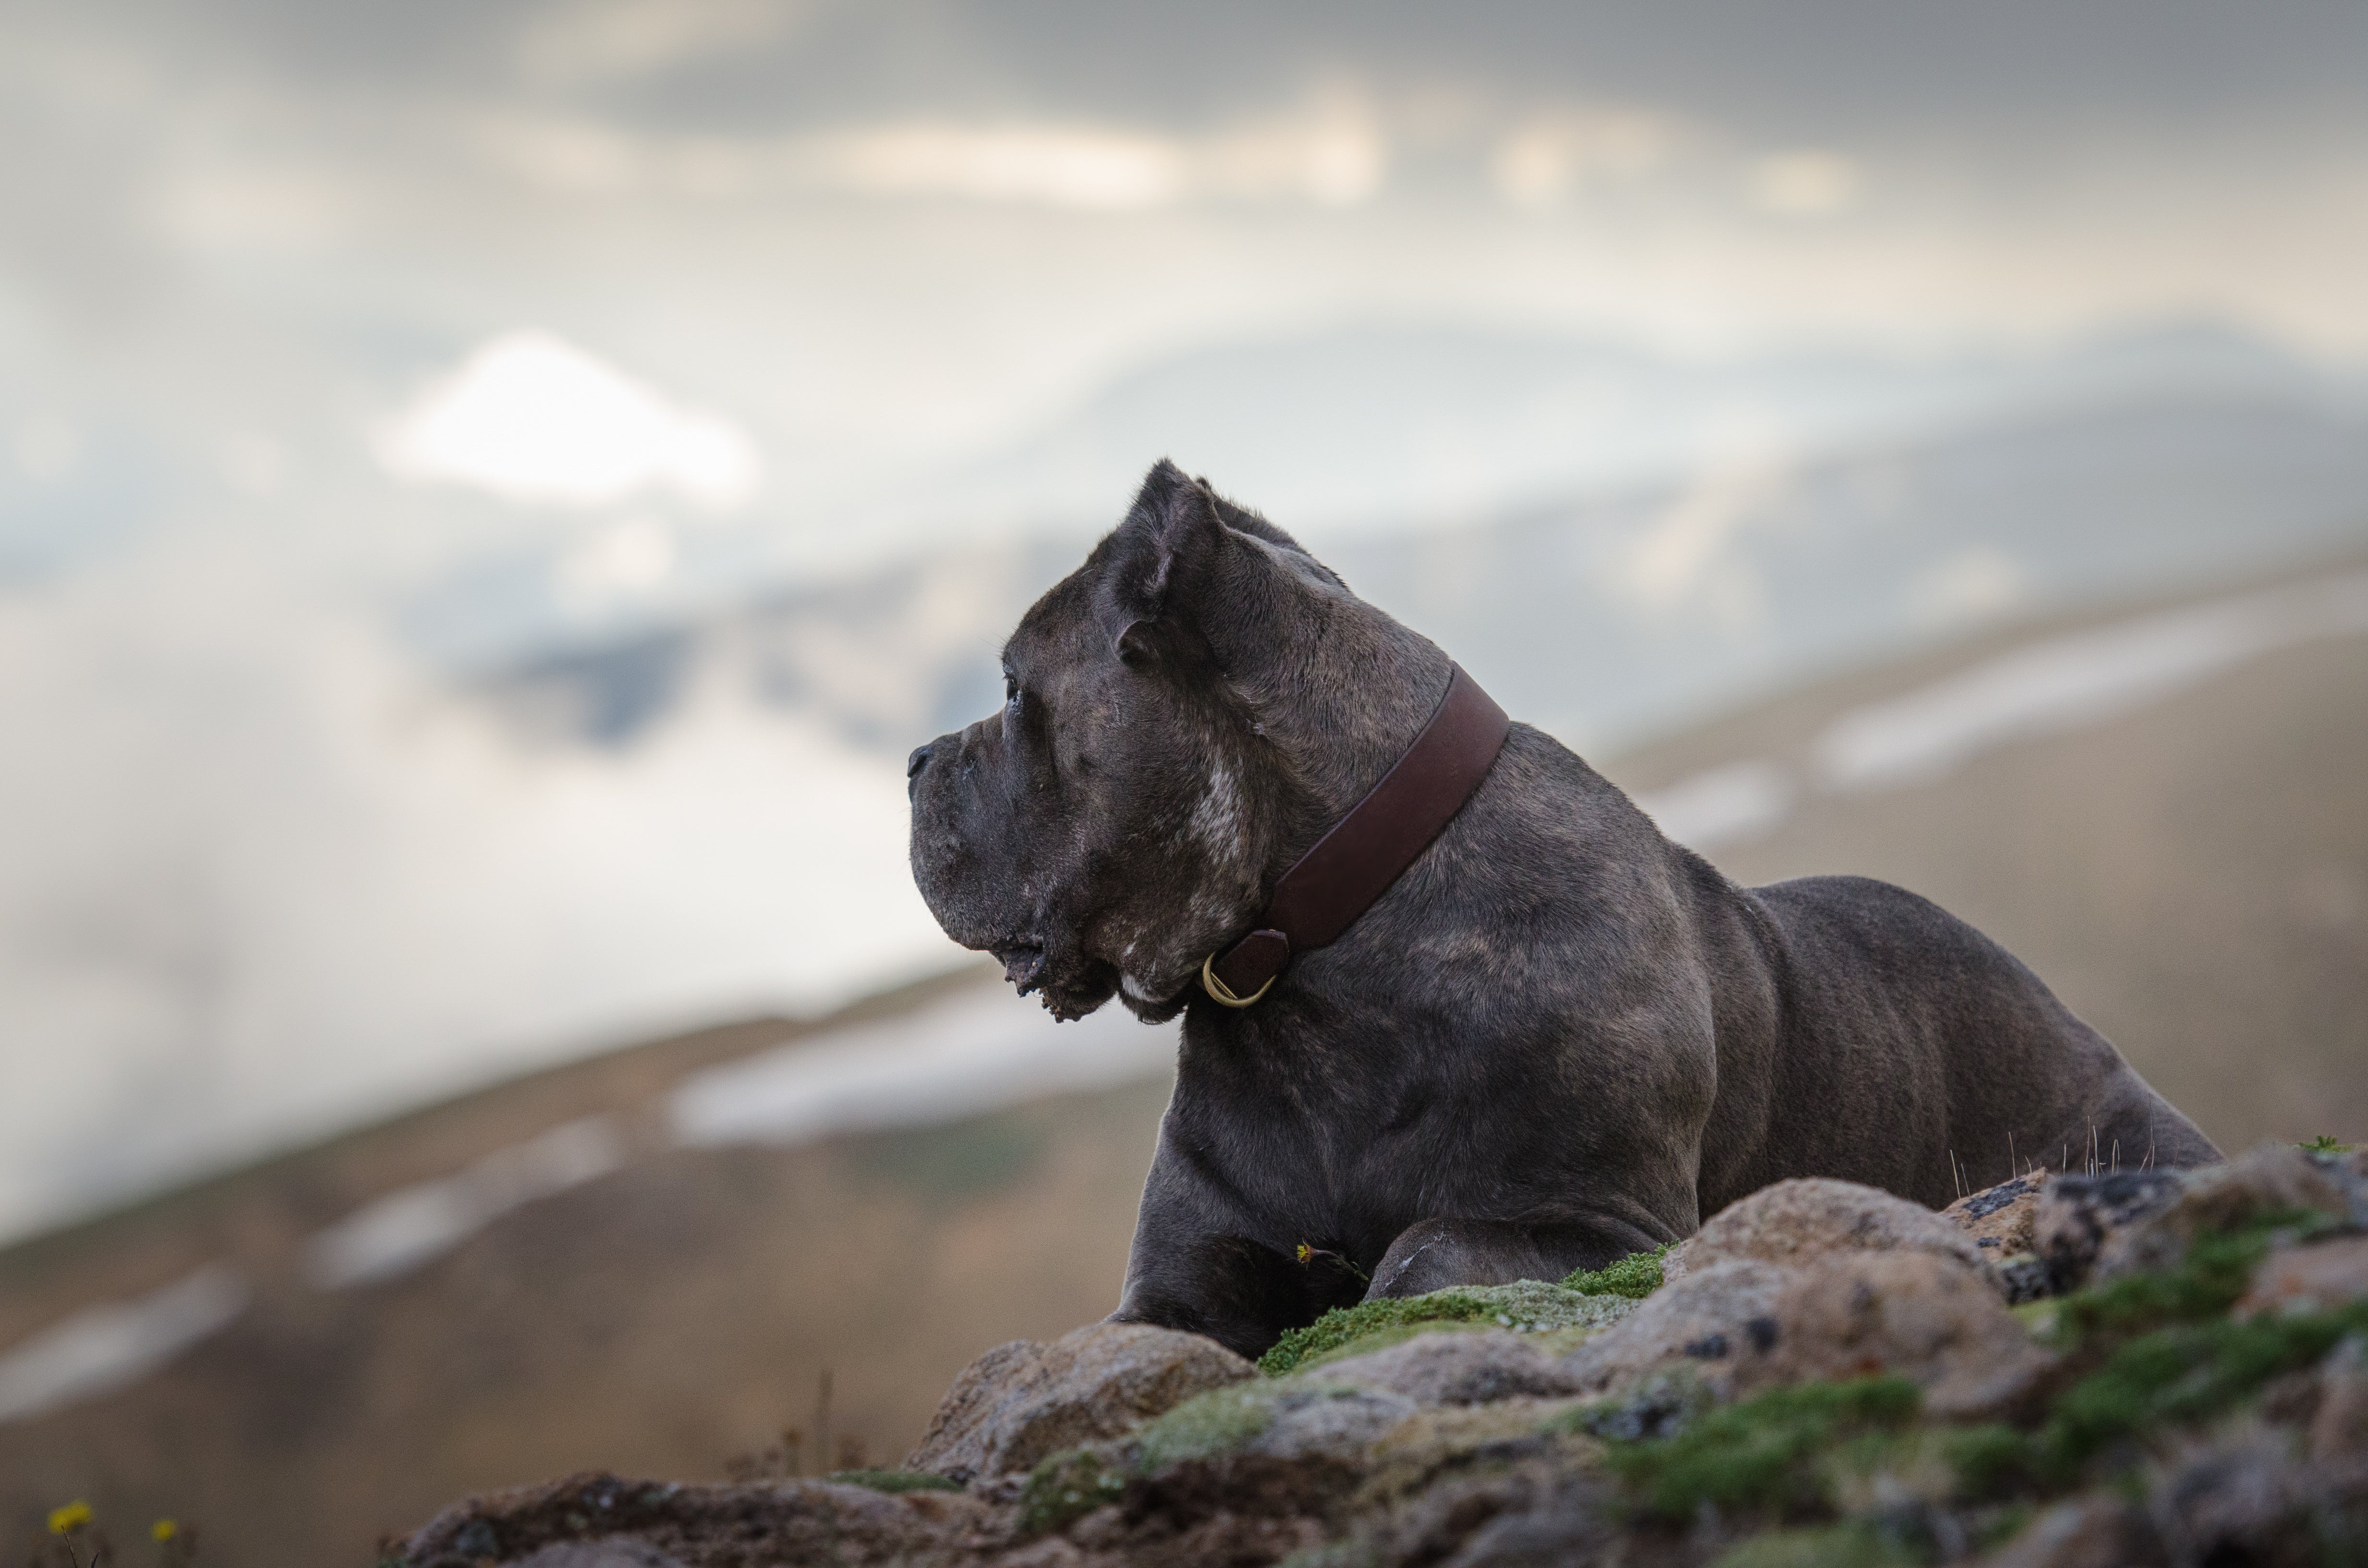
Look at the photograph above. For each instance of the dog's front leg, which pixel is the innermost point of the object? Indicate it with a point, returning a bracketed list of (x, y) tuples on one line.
[(1196, 1263), (1431, 1254), (1240, 1294)]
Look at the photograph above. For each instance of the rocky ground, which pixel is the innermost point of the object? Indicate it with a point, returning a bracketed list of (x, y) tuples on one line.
[(2129, 1369)]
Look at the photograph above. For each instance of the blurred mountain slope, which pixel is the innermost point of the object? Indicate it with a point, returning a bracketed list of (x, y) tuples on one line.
[(664, 1318), (2191, 876)]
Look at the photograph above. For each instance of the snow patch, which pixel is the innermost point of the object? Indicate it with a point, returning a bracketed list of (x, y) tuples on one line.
[(107, 1347), (393, 1235), (962, 1057)]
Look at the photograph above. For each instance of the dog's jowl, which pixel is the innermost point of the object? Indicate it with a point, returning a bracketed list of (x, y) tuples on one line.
[(1554, 1039)]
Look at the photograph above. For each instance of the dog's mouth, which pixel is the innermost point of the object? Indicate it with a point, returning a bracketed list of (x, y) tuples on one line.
[(1070, 990), (1023, 964)]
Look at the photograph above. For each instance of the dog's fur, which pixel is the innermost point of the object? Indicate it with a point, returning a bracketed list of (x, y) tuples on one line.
[(1557, 1040)]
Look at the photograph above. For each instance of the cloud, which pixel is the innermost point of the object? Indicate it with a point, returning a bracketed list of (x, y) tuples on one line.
[(1552, 155), (47, 448), (630, 557), (284, 881), (534, 419), (1054, 166), (1805, 184), (1335, 157), (1332, 153), (613, 40)]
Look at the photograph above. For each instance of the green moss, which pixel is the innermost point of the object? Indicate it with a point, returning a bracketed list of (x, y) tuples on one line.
[(1066, 1486), (2325, 1143), (1761, 1453), (2161, 1354), (1333, 1554), (1990, 1460), (1341, 1324), (2180, 1375), (2204, 1284), (896, 1480), (1207, 1424), (1635, 1277), (1833, 1546), (1382, 1339), (1528, 1305)]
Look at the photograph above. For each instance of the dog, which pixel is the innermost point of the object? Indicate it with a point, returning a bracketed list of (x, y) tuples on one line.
[(1556, 1039)]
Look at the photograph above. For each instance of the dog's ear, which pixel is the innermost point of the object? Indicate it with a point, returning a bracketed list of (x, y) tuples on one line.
[(1138, 643), (1167, 548)]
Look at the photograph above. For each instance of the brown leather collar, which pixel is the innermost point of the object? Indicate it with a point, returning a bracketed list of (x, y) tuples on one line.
[(1355, 862)]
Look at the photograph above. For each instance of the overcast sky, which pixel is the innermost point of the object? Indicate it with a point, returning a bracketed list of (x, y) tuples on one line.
[(881, 239)]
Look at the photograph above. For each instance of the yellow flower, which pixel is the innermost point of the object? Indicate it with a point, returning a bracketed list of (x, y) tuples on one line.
[(164, 1531), (70, 1519), (1305, 1252)]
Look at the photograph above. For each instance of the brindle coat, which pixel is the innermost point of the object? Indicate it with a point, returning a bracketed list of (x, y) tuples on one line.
[(1559, 1039)]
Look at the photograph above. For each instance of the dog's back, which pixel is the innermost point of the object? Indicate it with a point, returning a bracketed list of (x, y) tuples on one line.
[(1964, 1067)]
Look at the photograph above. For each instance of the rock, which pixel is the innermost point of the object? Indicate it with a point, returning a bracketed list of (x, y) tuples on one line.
[(2002, 1222), (2087, 1532), (2271, 1179), (1707, 1317), (604, 1521), (1916, 1315), (1288, 1451), (2022, 1277), (2314, 1279), (1523, 1514), (2239, 1499), (1568, 1520), (1794, 1220), (1523, 1306), (1022, 1400), (1533, 1306), (1999, 1218), (1336, 1422), (604, 1551), (2077, 1214), (2338, 1427), (1677, 1261), (1291, 1418), (1474, 1367)]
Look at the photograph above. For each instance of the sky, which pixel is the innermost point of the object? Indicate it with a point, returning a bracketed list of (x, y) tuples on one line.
[(348, 352)]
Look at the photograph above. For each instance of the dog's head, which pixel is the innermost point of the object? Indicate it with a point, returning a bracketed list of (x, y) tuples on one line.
[(1179, 713)]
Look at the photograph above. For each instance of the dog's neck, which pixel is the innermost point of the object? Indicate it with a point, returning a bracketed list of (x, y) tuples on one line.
[(1335, 711)]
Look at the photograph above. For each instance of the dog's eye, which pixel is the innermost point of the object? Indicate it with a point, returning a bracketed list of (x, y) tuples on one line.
[(1010, 692)]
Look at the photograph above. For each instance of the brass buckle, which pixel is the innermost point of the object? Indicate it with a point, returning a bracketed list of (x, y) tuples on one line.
[(1223, 993)]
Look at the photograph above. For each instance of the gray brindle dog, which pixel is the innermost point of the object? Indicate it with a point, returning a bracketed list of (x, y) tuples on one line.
[(1557, 1039)]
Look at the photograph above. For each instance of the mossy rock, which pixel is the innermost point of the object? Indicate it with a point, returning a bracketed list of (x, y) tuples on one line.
[(1527, 1306), (1074, 1483), (1763, 1453), (1851, 1545), (1213, 1423), (1069, 1485), (896, 1479), (1635, 1277)]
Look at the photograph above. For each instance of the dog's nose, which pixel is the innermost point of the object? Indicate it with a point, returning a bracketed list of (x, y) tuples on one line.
[(917, 761)]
